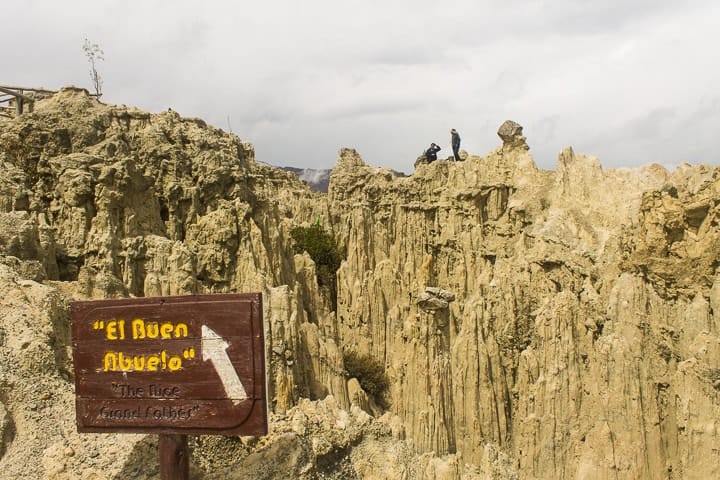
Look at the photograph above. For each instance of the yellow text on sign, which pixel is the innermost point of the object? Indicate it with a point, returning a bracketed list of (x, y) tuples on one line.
[(140, 329), (119, 361)]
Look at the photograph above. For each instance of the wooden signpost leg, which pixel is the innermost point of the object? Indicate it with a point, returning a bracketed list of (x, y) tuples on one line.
[(174, 458)]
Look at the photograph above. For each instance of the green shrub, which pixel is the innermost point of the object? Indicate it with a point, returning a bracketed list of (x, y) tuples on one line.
[(369, 372), (325, 252)]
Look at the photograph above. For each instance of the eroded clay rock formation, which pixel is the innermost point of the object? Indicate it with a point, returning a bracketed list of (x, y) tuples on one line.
[(583, 339), (533, 324), (511, 134), (100, 201)]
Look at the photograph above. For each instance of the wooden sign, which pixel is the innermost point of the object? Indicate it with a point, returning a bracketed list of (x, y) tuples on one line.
[(170, 365)]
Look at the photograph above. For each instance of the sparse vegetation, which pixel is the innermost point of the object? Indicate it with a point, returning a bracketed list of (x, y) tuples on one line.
[(369, 372), (94, 54), (323, 248)]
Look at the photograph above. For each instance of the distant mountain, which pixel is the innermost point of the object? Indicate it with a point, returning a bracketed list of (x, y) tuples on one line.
[(317, 179)]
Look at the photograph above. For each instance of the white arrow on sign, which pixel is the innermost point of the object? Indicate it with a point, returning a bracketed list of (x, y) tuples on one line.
[(214, 349)]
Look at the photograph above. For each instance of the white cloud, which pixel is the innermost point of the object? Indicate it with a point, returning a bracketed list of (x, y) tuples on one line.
[(629, 82)]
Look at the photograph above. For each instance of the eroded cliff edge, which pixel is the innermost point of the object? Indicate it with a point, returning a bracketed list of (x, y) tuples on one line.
[(581, 340), (583, 337)]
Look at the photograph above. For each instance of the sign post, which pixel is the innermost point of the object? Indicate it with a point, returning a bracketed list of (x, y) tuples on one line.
[(172, 366), (174, 458)]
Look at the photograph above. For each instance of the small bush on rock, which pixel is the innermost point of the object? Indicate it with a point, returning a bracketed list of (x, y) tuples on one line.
[(369, 372), (323, 248)]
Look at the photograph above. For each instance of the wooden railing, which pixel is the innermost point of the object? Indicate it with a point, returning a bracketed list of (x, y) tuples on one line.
[(16, 100)]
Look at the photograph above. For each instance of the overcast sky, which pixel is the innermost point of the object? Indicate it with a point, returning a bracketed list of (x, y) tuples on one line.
[(629, 81)]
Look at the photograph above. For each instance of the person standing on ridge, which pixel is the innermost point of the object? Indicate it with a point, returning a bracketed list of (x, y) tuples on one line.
[(455, 140), (431, 153)]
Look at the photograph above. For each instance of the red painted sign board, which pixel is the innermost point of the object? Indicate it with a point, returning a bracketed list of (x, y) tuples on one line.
[(190, 364)]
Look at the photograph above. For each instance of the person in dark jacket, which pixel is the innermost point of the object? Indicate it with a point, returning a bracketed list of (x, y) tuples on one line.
[(431, 153), (455, 141)]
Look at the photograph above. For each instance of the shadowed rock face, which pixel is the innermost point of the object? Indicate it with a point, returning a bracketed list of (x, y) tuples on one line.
[(533, 324)]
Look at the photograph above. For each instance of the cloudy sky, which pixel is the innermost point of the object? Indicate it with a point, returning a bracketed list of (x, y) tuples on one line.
[(629, 81)]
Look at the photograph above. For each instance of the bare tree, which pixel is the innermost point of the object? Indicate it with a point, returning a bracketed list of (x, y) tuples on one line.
[(94, 54)]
